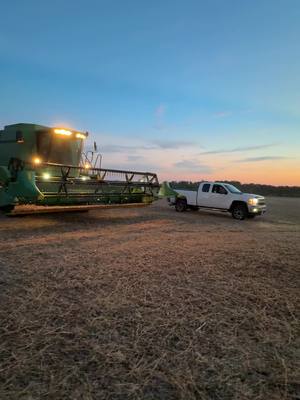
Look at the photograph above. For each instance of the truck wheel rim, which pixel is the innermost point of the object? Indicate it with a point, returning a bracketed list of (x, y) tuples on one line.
[(239, 214)]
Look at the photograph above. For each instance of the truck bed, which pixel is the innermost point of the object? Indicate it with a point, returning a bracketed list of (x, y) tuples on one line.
[(190, 195)]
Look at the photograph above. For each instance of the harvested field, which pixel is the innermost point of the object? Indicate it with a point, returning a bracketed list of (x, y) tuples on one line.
[(151, 304)]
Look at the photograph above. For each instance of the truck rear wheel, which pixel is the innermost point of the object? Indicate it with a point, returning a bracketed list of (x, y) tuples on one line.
[(239, 212), (180, 205)]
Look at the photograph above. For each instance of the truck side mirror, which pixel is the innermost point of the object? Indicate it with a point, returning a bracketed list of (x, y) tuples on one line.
[(19, 137)]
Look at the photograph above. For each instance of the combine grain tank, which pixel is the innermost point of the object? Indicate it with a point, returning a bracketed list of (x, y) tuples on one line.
[(48, 167)]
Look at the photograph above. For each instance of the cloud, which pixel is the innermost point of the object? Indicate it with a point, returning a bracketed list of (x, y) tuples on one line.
[(134, 158), (160, 111), (222, 114), (239, 149), (171, 144), (142, 167), (119, 148), (160, 126), (193, 165), (263, 158), (154, 145)]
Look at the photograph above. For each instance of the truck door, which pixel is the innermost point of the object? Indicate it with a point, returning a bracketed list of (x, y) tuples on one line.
[(203, 198), (219, 197)]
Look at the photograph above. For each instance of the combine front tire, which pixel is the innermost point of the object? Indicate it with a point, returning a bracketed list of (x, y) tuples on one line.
[(180, 205)]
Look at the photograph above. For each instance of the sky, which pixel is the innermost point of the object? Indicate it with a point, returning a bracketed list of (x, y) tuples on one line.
[(189, 89)]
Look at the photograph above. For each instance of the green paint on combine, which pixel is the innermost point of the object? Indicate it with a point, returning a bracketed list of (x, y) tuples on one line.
[(166, 191), (47, 166)]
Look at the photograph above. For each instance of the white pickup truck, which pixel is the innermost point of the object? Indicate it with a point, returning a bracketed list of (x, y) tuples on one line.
[(219, 196)]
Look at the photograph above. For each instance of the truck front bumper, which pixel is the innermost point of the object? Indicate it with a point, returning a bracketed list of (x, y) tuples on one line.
[(257, 210)]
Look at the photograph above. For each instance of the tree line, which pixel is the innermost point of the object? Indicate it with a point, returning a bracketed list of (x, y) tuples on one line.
[(264, 190)]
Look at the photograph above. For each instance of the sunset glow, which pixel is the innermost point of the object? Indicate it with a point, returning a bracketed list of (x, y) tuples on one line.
[(197, 90)]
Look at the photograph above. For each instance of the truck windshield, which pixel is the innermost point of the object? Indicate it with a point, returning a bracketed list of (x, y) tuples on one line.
[(233, 189)]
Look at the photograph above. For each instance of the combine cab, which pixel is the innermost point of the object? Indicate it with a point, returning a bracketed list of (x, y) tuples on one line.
[(47, 167)]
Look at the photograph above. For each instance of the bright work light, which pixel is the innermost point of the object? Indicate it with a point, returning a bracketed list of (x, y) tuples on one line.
[(46, 176), (36, 160), (80, 136), (62, 132)]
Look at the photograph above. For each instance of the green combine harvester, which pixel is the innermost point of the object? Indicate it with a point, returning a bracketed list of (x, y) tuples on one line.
[(44, 166)]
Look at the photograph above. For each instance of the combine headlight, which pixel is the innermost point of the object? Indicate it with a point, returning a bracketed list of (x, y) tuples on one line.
[(46, 176), (80, 136), (253, 201), (64, 132)]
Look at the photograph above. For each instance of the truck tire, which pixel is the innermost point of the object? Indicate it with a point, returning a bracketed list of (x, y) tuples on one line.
[(239, 212), (180, 205)]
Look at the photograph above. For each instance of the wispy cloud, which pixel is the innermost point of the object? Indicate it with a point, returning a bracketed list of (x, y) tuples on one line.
[(160, 111), (154, 145), (159, 114), (116, 148), (239, 149), (263, 158), (171, 144), (222, 114), (139, 166), (193, 165), (134, 158)]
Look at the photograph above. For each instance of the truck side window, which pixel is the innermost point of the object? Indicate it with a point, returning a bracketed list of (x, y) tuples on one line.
[(205, 187), (219, 189)]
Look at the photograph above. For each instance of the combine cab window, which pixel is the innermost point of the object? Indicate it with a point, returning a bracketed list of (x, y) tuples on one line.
[(59, 150)]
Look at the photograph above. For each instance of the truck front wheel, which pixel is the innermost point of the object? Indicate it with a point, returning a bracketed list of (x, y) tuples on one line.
[(180, 205), (239, 212)]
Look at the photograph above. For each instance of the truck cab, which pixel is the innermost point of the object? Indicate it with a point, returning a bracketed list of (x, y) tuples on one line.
[(220, 196)]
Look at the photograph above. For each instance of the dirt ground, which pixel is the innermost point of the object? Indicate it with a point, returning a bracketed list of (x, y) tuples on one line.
[(151, 304)]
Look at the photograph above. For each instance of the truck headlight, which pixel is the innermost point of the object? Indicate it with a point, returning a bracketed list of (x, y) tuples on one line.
[(253, 201)]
